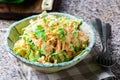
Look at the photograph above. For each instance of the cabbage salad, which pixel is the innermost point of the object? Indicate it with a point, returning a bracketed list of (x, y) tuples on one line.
[(51, 39)]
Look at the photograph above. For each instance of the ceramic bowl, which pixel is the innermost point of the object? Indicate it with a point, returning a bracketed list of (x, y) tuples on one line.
[(15, 30), (12, 1)]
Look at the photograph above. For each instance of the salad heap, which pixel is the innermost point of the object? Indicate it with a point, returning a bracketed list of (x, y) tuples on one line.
[(51, 39)]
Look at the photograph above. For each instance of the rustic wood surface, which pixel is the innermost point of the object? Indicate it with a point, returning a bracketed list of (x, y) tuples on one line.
[(107, 10), (24, 9)]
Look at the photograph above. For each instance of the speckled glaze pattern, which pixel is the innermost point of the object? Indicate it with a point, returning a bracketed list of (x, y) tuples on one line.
[(107, 10)]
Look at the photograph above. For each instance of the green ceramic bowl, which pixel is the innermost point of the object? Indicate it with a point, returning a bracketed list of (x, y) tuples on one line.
[(15, 30), (12, 1)]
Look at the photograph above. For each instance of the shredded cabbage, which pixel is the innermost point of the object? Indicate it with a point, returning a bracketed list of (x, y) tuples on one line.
[(51, 39)]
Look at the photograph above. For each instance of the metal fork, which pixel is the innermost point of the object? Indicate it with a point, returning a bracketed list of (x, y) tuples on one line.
[(104, 29)]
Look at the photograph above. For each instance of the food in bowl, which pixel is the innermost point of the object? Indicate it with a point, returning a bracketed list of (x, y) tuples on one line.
[(17, 29), (52, 39)]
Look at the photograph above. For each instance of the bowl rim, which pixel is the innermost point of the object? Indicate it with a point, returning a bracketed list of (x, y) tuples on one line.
[(88, 49)]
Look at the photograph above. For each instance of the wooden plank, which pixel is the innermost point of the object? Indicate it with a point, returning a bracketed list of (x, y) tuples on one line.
[(22, 10)]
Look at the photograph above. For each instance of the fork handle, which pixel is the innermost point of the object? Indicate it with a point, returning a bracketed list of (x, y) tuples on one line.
[(106, 28), (97, 23)]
